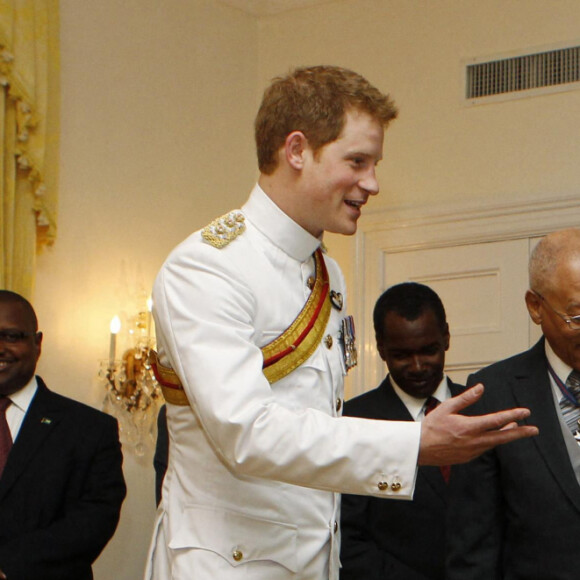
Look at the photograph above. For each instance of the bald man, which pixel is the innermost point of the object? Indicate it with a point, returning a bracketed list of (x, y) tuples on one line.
[(516, 509)]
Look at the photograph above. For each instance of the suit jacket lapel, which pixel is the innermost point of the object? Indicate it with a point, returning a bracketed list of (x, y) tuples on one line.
[(532, 389), (38, 423), (396, 409)]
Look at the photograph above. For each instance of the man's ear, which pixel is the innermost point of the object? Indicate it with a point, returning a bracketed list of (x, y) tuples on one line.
[(295, 146), (381, 348), (38, 344), (446, 336), (534, 303)]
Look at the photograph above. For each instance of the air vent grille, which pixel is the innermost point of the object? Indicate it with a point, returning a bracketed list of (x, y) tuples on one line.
[(532, 71)]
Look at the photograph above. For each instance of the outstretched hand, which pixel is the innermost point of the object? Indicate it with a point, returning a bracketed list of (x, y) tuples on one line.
[(448, 437)]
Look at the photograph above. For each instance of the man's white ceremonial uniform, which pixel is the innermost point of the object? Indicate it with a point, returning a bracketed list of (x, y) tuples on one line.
[(254, 468)]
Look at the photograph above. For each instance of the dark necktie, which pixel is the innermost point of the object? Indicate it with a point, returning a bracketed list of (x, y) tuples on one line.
[(5, 436), (570, 411), (430, 404)]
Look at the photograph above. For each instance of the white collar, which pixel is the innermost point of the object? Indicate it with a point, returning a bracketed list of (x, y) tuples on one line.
[(561, 369), (24, 396), (278, 227), (415, 406)]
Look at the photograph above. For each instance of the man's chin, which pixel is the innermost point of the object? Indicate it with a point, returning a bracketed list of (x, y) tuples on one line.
[(420, 390), (346, 230)]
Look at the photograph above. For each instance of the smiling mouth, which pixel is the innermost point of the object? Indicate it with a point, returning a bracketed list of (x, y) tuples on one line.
[(4, 364), (420, 381), (355, 204)]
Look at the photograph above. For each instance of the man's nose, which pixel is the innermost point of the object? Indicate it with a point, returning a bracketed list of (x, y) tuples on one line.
[(369, 182), (417, 363)]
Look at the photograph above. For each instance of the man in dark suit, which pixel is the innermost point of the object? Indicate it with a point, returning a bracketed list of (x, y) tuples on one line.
[(61, 478), (384, 539), (515, 512)]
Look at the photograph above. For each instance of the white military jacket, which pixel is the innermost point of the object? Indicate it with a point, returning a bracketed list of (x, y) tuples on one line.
[(255, 469)]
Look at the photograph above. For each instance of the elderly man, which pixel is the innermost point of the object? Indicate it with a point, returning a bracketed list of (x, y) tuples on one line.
[(515, 512), (252, 329), (61, 478)]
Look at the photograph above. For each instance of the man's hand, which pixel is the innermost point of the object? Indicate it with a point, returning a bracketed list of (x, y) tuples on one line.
[(2, 576), (448, 438)]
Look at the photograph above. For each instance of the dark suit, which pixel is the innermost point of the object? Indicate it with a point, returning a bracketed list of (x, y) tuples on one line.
[(515, 512), (385, 539), (61, 491)]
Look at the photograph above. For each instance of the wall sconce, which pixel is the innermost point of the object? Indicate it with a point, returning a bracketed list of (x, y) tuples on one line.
[(133, 395)]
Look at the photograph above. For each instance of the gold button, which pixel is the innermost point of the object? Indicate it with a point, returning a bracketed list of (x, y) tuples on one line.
[(328, 341), (338, 405), (237, 555), (396, 486), (382, 485), (310, 282), (335, 526)]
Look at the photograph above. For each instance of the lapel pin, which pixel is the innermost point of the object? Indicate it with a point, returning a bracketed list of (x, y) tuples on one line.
[(46, 421)]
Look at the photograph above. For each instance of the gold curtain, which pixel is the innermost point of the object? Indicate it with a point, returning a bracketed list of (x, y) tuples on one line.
[(29, 130)]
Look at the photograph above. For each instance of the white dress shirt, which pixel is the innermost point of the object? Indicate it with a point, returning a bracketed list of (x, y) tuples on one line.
[(416, 407), (21, 400)]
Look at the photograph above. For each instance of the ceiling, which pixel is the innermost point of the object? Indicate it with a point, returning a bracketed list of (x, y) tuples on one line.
[(265, 7)]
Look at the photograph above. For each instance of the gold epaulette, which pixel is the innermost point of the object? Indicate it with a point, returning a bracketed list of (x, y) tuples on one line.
[(224, 229)]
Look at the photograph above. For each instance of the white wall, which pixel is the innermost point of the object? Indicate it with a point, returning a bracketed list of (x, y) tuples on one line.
[(158, 100), (439, 149)]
